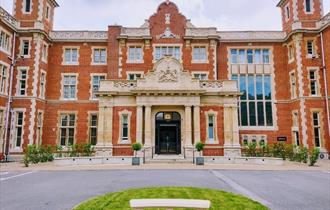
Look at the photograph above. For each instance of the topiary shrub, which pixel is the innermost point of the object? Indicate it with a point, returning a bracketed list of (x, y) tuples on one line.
[(199, 146), (136, 147)]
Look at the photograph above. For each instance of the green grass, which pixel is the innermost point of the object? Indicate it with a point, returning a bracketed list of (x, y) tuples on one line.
[(219, 199)]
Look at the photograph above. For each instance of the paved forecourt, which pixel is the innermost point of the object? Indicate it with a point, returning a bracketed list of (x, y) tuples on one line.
[(63, 189)]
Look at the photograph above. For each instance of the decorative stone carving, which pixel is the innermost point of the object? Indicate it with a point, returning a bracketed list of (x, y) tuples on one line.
[(8, 18), (211, 84), (168, 75), (252, 35), (79, 35), (124, 84), (168, 18), (167, 35)]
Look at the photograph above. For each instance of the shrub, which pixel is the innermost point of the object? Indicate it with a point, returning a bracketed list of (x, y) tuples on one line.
[(59, 150), (199, 146), (73, 150), (136, 147), (289, 151), (303, 154), (251, 150), (87, 150), (35, 154), (314, 156)]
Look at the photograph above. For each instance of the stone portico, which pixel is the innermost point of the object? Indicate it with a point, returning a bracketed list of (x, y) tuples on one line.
[(168, 88)]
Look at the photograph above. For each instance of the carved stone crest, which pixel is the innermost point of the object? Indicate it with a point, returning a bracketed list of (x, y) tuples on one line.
[(168, 75)]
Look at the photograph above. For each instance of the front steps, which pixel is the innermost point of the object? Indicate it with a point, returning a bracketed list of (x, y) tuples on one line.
[(169, 159)]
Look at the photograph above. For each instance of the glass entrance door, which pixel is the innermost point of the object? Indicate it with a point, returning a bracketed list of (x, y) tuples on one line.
[(168, 133)]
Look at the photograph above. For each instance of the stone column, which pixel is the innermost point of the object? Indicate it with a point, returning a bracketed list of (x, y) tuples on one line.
[(108, 116), (139, 119), (100, 127), (197, 130), (231, 145), (188, 130), (104, 132), (147, 125)]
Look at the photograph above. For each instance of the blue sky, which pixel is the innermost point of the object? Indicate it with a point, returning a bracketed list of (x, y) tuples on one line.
[(223, 14)]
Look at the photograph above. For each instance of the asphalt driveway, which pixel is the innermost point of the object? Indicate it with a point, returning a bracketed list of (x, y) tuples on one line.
[(65, 189)]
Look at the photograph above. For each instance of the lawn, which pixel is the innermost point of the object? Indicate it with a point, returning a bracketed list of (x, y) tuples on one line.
[(219, 199)]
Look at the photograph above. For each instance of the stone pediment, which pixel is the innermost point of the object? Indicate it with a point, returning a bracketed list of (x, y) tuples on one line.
[(168, 74)]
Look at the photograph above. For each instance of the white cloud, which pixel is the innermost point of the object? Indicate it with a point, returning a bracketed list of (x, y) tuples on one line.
[(223, 14)]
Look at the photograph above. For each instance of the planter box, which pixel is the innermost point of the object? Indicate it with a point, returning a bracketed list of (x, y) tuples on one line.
[(135, 161), (244, 160), (93, 160), (199, 160)]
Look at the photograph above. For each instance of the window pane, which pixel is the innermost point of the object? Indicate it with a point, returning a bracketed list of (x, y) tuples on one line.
[(268, 94), (251, 87), (242, 87), (265, 56), (250, 56), (261, 117), (257, 56), (242, 56), (252, 112), (233, 56), (67, 55), (269, 114), (63, 136), (259, 87), (74, 55), (244, 116)]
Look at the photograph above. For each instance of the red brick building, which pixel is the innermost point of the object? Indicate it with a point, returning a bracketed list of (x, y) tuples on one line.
[(166, 84)]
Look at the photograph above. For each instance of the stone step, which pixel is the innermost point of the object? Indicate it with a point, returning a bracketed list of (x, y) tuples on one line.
[(15, 158), (169, 161)]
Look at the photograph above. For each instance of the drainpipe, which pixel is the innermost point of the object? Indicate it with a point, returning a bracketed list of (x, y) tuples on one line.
[(11, 72), (325, 83)]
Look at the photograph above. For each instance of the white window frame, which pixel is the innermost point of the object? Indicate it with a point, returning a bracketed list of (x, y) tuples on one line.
[(90, 126), (198, 75), (67, 127), (295, 128), (24, 7), (44, 54), (291, 53), (48, 13), (318, 126), (22, 45), (42, 91), (91, 92), (134, 73), (40, 122), (167, 46), (315, 80), (99, 51), (293, 84), (199, 60), (16, 126), (19, 80), (135, 59), (313, 54), (71, 48), (2, 124), (214, 114), (121, 114), (287, 12), (4, 73), (76, 85), (5, 45), (311, 7)]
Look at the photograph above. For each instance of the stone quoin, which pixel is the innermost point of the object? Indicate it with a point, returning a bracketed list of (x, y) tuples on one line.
[(166, 84)]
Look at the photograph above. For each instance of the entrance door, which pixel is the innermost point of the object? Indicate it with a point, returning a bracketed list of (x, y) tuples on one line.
[(168, 133)]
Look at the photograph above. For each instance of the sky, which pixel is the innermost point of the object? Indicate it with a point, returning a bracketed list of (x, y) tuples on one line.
[(226, 15)]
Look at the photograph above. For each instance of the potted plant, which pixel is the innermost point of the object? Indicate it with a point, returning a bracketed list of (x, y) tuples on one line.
[(136, 147), (199, 147)]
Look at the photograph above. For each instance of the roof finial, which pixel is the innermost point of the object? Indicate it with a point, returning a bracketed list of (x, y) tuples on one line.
[(167, 1)]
